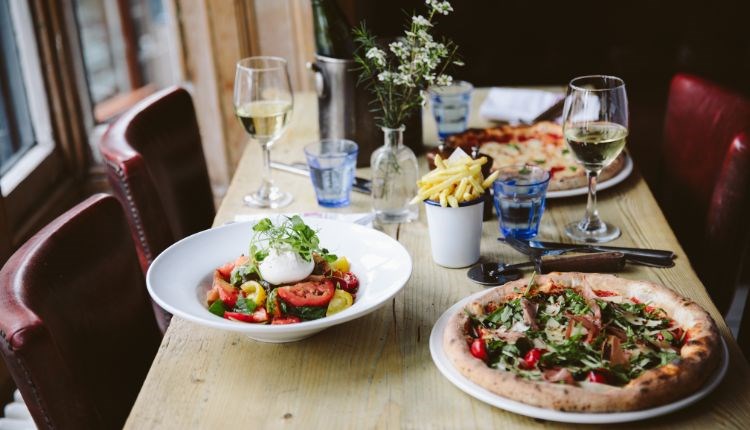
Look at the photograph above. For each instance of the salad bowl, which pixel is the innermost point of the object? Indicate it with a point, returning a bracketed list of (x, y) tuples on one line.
[(179, 277)]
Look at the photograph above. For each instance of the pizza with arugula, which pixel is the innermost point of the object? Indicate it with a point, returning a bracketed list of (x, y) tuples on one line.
[(541, 144), (584, 342)]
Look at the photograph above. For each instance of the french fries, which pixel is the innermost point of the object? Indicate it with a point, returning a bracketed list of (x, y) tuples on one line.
[(454, 180)]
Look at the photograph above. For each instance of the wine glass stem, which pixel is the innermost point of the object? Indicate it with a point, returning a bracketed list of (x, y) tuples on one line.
[(266, 185), (591, 221)]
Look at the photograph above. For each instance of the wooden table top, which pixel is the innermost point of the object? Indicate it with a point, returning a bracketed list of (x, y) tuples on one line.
[(376, 371)]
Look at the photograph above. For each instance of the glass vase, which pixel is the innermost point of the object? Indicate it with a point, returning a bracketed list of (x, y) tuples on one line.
[(394, 179)]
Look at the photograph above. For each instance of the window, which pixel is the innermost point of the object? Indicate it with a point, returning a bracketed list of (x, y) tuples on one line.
[(124, 51), (16, 131)]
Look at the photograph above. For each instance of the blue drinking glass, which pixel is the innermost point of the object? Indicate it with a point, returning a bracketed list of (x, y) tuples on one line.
[(332, 163), (450, 107), (519, 194)]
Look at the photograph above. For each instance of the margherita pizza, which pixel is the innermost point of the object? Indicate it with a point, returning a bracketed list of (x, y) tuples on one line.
[(540, 144), (584, 342)]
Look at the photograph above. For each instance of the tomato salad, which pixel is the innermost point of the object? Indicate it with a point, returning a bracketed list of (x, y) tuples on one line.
[(287, 278)]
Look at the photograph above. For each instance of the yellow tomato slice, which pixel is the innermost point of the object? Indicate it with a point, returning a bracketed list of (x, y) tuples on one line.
[(255, 292), (340, 265), (340, 301)]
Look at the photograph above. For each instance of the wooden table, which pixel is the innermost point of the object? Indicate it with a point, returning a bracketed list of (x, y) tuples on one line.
[(376, 372)]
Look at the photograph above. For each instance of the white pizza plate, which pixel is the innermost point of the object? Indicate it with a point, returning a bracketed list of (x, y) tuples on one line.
[(446, 367), (627, 169), (180, 276)]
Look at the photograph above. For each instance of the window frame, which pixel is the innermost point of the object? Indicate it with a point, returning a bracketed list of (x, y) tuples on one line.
[(43, 181)]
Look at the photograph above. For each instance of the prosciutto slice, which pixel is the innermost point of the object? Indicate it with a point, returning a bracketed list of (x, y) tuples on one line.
[(557, 375), (529, 314)]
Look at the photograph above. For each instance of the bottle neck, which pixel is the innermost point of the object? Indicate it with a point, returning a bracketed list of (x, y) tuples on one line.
[(393, 137), (332, 31)]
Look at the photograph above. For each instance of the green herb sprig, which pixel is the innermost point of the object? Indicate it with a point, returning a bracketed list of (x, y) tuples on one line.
[(292, 234)]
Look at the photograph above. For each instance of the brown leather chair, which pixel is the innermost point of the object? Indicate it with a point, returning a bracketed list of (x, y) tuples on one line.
[(157, 169), (78, 331), (707, 179)]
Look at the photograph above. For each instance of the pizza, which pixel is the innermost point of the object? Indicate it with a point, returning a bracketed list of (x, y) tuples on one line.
[(540, 144), (584, 342)]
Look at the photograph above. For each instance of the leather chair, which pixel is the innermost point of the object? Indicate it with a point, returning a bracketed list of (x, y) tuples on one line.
[(707, 179), (78, 331), (157, 169)]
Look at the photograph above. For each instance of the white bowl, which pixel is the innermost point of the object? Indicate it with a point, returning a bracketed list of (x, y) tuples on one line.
[(179, 278)]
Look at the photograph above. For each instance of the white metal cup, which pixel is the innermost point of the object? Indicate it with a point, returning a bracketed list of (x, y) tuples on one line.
[(455, 233)]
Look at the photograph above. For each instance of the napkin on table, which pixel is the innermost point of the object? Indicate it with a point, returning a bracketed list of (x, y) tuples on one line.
[(362, 218), (517, 105)]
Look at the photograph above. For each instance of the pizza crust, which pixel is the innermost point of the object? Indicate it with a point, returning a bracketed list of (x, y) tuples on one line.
[(699, 356), (546, 142)]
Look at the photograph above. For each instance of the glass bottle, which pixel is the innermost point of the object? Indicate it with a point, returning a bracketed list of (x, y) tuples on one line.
[(332, 31), (394, 179)]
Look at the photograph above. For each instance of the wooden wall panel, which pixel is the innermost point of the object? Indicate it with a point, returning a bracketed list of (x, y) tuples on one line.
[(217, 33)]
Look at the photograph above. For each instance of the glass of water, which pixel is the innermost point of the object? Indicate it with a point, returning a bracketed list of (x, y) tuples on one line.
[(520, 192), (332, 163), (450, 107)]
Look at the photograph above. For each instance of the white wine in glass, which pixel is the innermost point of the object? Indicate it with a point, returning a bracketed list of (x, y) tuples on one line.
[(595, 125), (263, 103)]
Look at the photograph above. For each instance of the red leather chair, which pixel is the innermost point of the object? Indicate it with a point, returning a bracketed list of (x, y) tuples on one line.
[(157, 169), (78, 331), (707, 179)]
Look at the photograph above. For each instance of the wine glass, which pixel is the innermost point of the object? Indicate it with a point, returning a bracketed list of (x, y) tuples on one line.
[(263, 103), (595, 125)]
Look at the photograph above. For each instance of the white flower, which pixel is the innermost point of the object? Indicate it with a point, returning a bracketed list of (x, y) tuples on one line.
[(442, 7), (421, 21), (386, 76), (377, 56), (444, 80), (403, 79), (399, 50)]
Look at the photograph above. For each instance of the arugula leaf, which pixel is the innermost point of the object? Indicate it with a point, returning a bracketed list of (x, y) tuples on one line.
[(243, 273), (245, 306), (217, 308), (272, 301), (305, 313)]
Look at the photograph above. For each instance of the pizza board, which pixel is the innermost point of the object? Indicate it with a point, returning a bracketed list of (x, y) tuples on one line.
[(446, 367)]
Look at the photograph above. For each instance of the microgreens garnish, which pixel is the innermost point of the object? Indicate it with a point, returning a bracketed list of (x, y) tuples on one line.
[(291, 235)]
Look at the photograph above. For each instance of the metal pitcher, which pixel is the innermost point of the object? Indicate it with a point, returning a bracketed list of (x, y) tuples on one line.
[(344, 111)]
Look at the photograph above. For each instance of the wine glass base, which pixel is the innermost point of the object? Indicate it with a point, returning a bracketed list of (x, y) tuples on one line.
[(606, 233), (279, 199)]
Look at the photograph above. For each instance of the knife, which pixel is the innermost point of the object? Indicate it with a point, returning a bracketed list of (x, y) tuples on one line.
[(647, 257), (360, 185), (599, 262)]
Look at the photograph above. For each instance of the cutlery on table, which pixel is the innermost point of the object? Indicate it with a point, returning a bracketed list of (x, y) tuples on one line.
[(491, 274), (643, 256), (360, 185)]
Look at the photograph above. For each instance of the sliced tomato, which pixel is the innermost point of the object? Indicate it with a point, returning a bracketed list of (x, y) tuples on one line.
[(348, 281), (596, 377), (237, 316), (272, 303), (479, 349), (308, 293), (226, 270), (532, 357), (227, 292), (291, 319), (259, 316)]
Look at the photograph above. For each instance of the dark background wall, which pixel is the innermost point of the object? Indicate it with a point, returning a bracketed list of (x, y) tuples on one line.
[(645, 42)]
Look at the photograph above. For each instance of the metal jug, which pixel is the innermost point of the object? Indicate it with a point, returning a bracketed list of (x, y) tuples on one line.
[(344, 111)]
